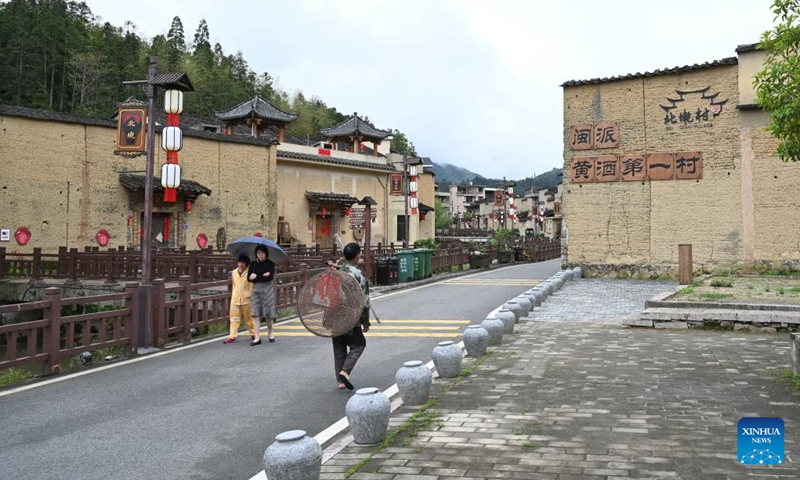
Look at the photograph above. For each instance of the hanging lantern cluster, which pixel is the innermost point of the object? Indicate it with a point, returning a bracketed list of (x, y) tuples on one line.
[(172, 142), (512, 211), (413, 201)]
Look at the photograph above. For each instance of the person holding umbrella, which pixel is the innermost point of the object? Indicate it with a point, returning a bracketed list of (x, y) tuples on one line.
[(261, 273)]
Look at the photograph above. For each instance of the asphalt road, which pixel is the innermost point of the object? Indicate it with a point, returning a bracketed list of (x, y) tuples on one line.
[(210, 410)]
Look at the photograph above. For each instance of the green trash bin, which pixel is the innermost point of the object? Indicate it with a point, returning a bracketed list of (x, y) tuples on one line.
[(419, 263), (405, 265), (427, 255)]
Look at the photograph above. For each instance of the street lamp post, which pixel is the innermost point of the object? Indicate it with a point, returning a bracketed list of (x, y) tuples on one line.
[(177, 81), (409, 169)]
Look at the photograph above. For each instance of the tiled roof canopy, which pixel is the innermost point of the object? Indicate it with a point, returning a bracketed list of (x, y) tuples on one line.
[(135, 183), (667, 71), (329, 197), (424, 209), (750, 47), (355, 126), (335, 161), (256, 107)]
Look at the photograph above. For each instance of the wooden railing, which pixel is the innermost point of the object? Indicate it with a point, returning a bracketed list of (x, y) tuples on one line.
[(176, 311), (55, 337)]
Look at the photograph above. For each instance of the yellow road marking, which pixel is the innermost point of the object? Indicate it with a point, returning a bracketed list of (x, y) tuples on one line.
[(425, 321), (372, 333), (397, 327)]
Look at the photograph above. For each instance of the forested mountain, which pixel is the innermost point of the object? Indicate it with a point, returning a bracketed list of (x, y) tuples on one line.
[(55, 54), (447, 175)]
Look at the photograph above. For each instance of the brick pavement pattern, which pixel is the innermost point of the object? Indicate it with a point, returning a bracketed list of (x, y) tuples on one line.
[(599, 299), (584, 400)]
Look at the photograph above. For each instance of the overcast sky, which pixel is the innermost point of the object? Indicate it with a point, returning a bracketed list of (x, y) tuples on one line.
[(474, 83)]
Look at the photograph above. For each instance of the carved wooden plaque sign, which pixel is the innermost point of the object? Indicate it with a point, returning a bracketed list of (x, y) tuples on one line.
[(606, 135), (660, 166), (633, 168), (581, 137), (606, 168), (688, 166), (582, 170)]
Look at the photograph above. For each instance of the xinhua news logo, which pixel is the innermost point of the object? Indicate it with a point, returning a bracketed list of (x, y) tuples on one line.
[(760, 441)]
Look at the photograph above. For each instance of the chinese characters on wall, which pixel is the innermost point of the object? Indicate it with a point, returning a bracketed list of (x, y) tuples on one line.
[(692, 109), (634, 168), (599, 136)]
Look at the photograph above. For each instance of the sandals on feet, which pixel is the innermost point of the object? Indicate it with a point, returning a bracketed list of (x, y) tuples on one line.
[(346, 381)]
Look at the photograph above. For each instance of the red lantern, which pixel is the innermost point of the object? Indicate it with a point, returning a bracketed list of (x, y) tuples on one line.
[(22, 235), (347, 212), (258, 234), (422, 216), (202, 240), (102, 237), (188, 206)]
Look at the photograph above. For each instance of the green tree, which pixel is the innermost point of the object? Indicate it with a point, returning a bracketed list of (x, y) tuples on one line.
[(778, 84), (442, 214), (176, 44), (401, 144)]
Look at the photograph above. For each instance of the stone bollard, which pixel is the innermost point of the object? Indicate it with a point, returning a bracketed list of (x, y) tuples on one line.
[(514, 307), (526, 305), (795, 338), (535, 296), (578, 273), (476, 340), (293, 456), (495, 327), (414, 382), (509, 319), (447, 359), (368, 415)]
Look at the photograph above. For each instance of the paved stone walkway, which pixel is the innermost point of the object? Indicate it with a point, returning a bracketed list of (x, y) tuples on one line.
[(600, 300), (582, 400)]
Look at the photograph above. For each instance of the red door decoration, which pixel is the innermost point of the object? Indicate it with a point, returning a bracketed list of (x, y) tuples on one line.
[(102, 237), (22, 235), (202, 240)]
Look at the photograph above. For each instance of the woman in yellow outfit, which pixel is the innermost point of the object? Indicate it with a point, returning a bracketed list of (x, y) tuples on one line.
[(240, 300)]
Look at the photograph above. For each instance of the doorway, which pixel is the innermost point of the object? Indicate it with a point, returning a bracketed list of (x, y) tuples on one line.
[(322, 231), (159, 230)]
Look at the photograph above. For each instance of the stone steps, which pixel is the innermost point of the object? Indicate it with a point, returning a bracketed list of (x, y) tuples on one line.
[(660, 317)]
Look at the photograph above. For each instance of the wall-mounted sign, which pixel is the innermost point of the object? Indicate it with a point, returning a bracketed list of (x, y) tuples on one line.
[(660, 166), (636, 168), (5, 235), (582, 169), (688, 166), (599, 136), (692, 109), (396, 184), (607, 168), (131, 128)]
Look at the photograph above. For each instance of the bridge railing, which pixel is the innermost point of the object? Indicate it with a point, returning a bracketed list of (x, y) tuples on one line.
[(63, 327)]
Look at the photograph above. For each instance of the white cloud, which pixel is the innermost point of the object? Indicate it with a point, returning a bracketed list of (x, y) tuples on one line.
[(472, 82)]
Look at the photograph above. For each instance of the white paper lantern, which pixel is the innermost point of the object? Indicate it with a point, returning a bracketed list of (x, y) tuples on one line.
[(412, 187), (171, 139), (171, 175), (510, 190), (173, 101), (412, 170), (413, 202)]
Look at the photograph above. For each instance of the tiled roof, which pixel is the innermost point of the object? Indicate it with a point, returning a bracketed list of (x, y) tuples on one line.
[(49, 115), (335, 160), (355, 126), (667, 71), (135, 183), (176, 80), (330, 197), (256, 107), (423, 209), (747, 48)]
